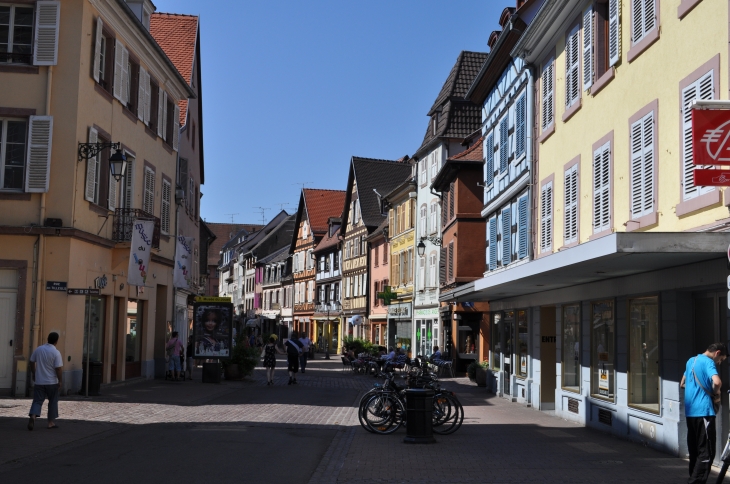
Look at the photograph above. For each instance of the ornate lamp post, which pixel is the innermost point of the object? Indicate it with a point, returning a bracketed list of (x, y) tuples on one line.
[(327, 307), (117, 162)]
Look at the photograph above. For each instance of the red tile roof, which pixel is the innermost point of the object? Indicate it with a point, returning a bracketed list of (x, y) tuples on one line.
[(321, 205), (473, 153), (177, 35)]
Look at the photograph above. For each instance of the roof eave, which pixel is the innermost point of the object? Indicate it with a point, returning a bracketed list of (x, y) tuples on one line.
[(541, 32)]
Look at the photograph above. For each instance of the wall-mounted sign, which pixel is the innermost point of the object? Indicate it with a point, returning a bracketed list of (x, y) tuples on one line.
[(212, 299), (399, 311), (55, 286), (100, 282), (84, 292)]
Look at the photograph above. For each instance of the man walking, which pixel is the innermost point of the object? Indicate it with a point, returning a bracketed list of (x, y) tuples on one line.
[(293, 351), (702, 384), (306, 344), (46, 369), (174, 346)]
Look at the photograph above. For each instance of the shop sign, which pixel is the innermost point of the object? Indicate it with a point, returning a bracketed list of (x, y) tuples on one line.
[(100, 282), (399, 311), (603, 387), (212, 299), (139, 252), (83, 292), (55, 286), (710, 136), (434, 312)]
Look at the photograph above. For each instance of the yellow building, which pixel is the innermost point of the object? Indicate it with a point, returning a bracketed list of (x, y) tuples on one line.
[(93, 73)]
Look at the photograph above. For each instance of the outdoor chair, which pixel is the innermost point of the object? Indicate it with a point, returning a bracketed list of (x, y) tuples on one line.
[(346, 364)]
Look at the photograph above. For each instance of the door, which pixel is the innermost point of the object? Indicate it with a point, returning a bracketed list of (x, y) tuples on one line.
[(133, 339), (548, 374), (507, 336), (8, 303)]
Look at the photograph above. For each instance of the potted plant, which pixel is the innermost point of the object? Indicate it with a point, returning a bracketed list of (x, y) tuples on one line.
[(477, 372), (242, 361)]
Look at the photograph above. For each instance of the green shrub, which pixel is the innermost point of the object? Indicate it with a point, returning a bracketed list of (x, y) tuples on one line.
[(471, 370), (358, 345), (243, 355)]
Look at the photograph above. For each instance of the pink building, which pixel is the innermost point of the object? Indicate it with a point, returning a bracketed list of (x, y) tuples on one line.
[(379, 274)]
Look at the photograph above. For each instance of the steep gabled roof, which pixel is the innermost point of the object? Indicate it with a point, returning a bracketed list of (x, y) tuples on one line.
[(328, 241), (321, 205), (460, 78), (370, 175), (473, 153)]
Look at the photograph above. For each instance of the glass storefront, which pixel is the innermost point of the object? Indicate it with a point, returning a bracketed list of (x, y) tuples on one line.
[(94, 319), (425, 336), (133, 334), (403, 335), (522, 342), (495, 342), (603, 350), (644, 353), (571, 347)]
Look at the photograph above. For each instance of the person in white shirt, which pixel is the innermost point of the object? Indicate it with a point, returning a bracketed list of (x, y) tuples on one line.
[(306, 343), (46, 368)]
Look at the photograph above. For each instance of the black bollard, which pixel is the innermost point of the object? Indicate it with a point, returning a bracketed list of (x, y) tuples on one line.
[(419, 416)]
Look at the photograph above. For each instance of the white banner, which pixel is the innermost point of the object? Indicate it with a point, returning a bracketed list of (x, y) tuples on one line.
[(183, 275), (139, 252)]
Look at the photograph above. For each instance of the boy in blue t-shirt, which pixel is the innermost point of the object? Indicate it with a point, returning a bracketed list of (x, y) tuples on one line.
[(702, 384)]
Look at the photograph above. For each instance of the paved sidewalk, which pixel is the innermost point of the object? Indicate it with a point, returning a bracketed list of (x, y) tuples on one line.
[(132, 430)]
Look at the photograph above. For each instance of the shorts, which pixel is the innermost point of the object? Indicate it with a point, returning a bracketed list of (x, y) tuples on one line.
[(175, 363), (293, 363)]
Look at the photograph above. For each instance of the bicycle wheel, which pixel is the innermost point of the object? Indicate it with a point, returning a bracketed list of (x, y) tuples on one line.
[(382, 413), (442, 409), (455, 418), (361, 409)]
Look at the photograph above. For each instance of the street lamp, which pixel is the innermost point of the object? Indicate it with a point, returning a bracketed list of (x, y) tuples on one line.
[(421, 247), (117, 162), (337, 306)]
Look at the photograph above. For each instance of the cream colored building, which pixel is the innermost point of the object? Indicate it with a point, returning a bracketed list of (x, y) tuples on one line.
[(94, 74)]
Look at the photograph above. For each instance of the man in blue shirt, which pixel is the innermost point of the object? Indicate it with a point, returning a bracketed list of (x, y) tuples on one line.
[(702, 384)]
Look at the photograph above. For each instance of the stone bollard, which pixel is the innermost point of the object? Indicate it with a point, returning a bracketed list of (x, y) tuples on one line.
[(419, 416)]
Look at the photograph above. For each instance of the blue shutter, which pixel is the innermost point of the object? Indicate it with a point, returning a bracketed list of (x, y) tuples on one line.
[(522, 227), (503, 143), (520, 140), (489, 148), (492, 243), (506, 237)]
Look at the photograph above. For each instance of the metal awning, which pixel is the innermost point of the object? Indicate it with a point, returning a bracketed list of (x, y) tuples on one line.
[(616, 255)]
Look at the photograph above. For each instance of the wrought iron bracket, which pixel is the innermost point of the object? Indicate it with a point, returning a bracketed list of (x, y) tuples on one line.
[(90, 150), (432, 239)]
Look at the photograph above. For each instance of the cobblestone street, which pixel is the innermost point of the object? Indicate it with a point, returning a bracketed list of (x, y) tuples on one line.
[(156, 430)]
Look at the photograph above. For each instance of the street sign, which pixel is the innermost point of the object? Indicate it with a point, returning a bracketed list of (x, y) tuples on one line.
[(711, 136), (84, 292), (55, 286), (212, 299), (711, 178)]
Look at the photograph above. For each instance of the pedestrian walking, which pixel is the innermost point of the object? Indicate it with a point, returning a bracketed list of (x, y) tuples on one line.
[(269, 355), (189, 364), (46, 369), (702, 385), (293, 350), (174, 346), (306, 344)]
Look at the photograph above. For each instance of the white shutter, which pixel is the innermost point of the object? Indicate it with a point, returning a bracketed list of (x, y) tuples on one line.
[(91, 172), (165, 209), (118, 69), (546, 217), (141, 94), (40, 135), (164, 115), (147, 97), (700, 89), (125, 76), (112, 200), (129, 183), (571, 204), (176, 128), (547, 95), (644, 20), (422, 273), (614, 31), (642, 166), (148, 203), (602, 188), (587, 48), (97, 48), (45, 42), (572, 64), (160, 114)]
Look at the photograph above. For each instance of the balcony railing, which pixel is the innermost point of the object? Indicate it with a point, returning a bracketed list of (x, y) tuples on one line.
[(124, 221)]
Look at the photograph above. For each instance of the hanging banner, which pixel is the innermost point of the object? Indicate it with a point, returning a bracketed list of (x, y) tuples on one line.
[(183, 275), (139, 252)]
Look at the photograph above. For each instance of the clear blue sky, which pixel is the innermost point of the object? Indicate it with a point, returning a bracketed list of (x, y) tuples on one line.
[(293, 89)]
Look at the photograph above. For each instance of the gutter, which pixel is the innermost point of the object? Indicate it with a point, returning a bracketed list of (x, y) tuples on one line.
[(492, 54)]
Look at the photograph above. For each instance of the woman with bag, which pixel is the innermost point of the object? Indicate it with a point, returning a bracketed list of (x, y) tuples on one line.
[(269, 355)]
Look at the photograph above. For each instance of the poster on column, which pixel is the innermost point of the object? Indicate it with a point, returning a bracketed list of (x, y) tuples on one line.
[(139, 252), (182, 278), (212, 329)]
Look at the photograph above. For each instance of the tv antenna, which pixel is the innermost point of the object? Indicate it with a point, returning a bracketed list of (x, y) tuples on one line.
[(263, 214), (232, 215), (302, 184), (284, 204)]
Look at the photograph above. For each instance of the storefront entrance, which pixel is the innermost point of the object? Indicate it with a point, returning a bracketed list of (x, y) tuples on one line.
[(133, 338), (8, 302), (425, 337), (547, 358)]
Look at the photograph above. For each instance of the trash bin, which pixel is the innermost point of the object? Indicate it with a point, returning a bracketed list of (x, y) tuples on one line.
[(95, 375), (419, 416), (212, 372)]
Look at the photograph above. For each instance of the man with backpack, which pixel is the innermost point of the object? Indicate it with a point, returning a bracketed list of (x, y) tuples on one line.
[(293, 351)]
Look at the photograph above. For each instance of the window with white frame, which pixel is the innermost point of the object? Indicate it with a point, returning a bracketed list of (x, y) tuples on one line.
[(434, 165), (165, 208), (421, 273), (571, 205), (148, 201), (16, 34), (588, 54), (424, 171), (572, 66), (101, 188), (127, 192), (423, 221), (643, 19), (602, 188), (432, 266), (13, 149), (702, 88), (433, 214), (547, 95), (546, 217), (642, 166)]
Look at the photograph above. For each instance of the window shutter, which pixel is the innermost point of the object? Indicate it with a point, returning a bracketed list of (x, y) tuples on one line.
[(503, 147), (522, 234), (601, 189), (520, 133), (571, 204), (614, 31), (452, 196), (422, 273), (149, 191), (506, 236), (164, 115), (160, 112), (45, 43), (492, 243), (432, 271), (91, 175), (97, 48), (489, 149), (40, 135), (649, 15), (141, 99), (165, 209), (125, 76), (546, 217), (442, 264), (147, 97), (364, 284), (546, 84), (129, 183), (112, 199), (572, 79), (451, 261), (118, 69), (701, 89), (176, 128), (587, 48)]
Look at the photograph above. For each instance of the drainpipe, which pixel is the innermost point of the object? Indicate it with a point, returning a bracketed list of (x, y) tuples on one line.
[(532, 160)]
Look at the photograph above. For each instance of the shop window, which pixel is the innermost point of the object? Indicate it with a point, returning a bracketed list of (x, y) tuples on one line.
[(496, 347), (571, 348), (403, 335), (94, 329), (424, 337), (133, 335), (603, 350), (644, 353), (468, 342), (521, 364)]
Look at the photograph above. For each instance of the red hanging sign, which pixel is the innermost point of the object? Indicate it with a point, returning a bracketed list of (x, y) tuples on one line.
[(712, 178), (711, 136)]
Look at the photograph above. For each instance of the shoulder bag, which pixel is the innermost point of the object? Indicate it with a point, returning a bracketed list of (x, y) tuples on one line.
[(716, 399)]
